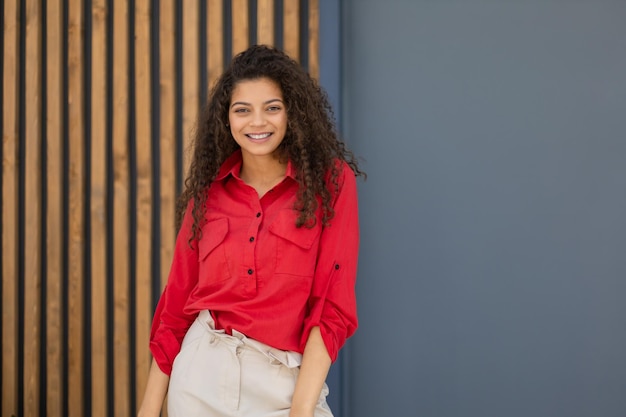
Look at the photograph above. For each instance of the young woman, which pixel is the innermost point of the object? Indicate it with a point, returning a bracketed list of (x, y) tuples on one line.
[(260, 297)]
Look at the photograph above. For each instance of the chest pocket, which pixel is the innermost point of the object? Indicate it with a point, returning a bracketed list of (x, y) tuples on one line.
[(213, 266), (296, 248)]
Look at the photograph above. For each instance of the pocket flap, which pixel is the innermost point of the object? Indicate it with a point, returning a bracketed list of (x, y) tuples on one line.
[(213, 233), (284, 226)]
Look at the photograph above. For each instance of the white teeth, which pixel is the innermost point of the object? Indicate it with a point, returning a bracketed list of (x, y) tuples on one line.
[(259, 136)]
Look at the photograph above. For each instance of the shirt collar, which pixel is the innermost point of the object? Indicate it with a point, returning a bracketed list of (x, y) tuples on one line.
[(232, 166)]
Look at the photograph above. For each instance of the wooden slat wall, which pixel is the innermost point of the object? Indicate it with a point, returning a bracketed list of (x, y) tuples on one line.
[(54, 209), (144, 199), (31, 205), (75, 316), (120, 291), (98, 207), (99, 102), (11, 397)]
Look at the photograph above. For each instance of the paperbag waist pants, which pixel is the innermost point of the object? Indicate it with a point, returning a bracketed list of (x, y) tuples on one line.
[(219, 375)]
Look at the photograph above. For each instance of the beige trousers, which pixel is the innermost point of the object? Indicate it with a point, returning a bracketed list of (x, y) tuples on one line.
[(218, 375)]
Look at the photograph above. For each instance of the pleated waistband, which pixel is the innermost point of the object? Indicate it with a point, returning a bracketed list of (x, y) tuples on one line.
[(288, 358)]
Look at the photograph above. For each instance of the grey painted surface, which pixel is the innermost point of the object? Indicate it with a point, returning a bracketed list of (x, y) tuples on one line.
[(329, 79), (492, 278)]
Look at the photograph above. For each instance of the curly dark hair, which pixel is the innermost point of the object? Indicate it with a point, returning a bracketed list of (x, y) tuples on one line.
[(311, 141)]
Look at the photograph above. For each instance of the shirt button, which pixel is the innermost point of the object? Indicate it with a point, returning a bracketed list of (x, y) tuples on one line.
[(336, 266), (251, 238), (258, 214), (250, 271)]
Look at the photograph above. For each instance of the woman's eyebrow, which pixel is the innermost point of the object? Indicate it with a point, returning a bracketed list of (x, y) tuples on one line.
[(273, 100), (243, 103)]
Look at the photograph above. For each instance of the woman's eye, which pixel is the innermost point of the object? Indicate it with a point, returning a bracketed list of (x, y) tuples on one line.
[(241, 110), (273, 108)]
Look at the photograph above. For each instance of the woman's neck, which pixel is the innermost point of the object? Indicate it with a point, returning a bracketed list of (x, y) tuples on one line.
[(262, 173)]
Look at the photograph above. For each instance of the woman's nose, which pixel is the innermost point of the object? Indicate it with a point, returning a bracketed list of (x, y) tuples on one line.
[(258, 119)]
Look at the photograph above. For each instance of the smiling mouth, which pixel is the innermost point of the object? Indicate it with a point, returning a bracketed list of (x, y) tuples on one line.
[(259, 136)]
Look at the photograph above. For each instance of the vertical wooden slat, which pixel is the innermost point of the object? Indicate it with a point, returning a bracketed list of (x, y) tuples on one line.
[(191, 74), (54, 217), (76, 200), (291, 28), (265, 22), (314, 44), (167, 141), (215, 37), (98, 206), (32, 208), (143, 271), (10, 214), (240, 25), (121, 230)]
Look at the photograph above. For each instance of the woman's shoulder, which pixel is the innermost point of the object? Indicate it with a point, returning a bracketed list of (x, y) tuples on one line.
[(339, 176), (340, 168)]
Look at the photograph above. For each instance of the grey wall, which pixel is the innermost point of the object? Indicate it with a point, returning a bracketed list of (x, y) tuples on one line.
[(329, 78), (493, 266)]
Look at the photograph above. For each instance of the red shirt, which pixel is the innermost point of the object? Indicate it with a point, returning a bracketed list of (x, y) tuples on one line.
[(259, 274)]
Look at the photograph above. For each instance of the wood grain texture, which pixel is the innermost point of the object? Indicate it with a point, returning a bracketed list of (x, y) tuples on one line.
[(167, 140), (265, 22), (76, 178), (144, 233), (98, 223), (215, 44), (291, 28), (121, 210), (65, 67), (240, 25), (314, 38), (32, 208), (10, 213), (54, 208), (191, 76)]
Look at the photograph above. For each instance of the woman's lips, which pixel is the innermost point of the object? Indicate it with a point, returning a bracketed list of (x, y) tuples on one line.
[(259, 136)]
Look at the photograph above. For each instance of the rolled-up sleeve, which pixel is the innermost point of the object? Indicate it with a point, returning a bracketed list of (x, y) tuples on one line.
[(170, 324), (332, 304)]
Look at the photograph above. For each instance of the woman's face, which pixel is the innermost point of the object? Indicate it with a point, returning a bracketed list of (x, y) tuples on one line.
[(257, 117)]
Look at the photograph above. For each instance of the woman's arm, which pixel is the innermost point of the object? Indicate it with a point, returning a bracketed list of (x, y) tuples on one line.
[(156, 388), (313, 371)]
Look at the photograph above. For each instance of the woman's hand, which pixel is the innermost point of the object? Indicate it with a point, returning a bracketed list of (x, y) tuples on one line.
[(156, 388), (313, 372), (294, 413)]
